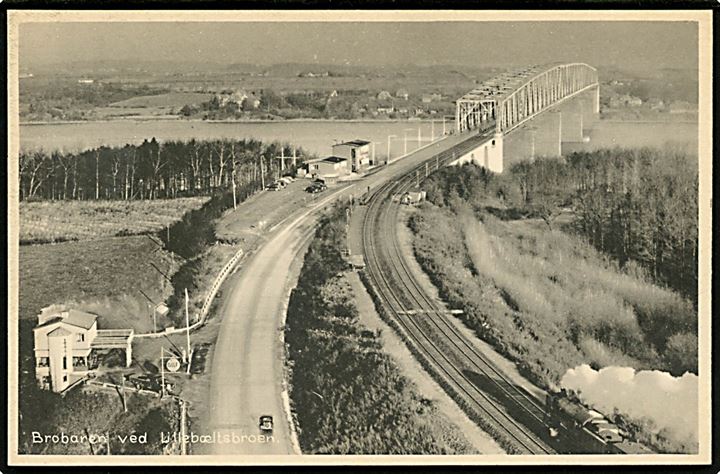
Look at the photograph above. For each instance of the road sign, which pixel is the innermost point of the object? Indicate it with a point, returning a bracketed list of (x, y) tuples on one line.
[(173, 365)]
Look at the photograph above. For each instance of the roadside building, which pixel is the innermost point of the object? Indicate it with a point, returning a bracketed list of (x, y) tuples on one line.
[(414, 196), (64, 341), (357, 151), (332, 167)]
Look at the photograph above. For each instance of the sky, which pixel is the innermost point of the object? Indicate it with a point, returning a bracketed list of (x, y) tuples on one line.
[(633, 45)]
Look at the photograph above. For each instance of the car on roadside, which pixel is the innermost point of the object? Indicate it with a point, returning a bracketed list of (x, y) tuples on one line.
[(266, 423), (273, 187), (312, 189), (146, 382), (286, 179)]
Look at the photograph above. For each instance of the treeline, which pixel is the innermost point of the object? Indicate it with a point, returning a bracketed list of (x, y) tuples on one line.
[(348, 395), (640, 206), (150, 170)]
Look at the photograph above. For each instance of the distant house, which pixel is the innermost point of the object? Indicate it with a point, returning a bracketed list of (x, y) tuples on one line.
[(357, 151), (656, 104), (250, 102), (402, 110), (86, 81), (384, 95), (402, 94), (385, 110), (634, 102), (63, 342), (427, 98)]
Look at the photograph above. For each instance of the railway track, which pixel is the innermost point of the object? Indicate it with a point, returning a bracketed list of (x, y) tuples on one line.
[(447, 353)]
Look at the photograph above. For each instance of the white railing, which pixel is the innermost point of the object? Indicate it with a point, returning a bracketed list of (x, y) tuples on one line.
[(229, 266)]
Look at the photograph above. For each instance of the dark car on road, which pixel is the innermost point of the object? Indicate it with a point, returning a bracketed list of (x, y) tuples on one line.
[(316, 188), (266, 423)]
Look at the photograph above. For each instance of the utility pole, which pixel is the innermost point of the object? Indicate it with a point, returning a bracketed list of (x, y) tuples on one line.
[(162, 371), (124, 401), (427, 169), (154, 312), (432, 131), (390, 137), (282, 159), (419, 138), (183, 428), (294, 159), (234, 192), (187, 324)]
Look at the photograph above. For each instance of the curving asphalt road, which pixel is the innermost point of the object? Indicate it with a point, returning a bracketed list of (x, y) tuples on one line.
[(247, 369)]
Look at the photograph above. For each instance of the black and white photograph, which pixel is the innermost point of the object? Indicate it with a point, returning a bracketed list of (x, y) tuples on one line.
[(367, 237)]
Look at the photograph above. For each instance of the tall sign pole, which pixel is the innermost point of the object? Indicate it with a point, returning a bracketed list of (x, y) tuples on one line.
[(162, 370)]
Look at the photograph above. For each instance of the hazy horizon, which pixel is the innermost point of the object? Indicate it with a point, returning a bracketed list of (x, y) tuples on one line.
[(625, 45)]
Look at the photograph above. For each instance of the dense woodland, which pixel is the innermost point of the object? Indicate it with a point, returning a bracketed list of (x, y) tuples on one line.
[(150, 170), (639, 206)]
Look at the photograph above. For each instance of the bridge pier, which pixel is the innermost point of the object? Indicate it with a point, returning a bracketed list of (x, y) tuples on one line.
[(489, 155)]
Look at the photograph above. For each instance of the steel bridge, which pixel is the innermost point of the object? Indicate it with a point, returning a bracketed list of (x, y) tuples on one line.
[(507, 101)]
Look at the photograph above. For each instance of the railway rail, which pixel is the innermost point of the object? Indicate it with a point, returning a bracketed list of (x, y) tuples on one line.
[(449, 355)]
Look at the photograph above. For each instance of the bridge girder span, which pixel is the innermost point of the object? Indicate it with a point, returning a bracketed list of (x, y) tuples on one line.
[(508, 101)]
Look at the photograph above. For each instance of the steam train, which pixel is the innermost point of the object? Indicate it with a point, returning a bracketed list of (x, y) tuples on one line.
[(585, 430)]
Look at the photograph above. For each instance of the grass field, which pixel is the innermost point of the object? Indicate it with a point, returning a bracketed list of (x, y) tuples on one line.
[(59, 221), (104, 276), (169, 100)]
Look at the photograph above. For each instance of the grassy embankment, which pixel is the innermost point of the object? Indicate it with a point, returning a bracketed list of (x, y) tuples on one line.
[(545, 298), (348, 395)]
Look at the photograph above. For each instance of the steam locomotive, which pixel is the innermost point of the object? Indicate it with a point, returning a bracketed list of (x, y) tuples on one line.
[(585, 430)]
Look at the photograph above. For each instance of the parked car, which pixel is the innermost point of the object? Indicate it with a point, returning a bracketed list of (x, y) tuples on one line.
[(146, 382), (273, 187), (281, 183), (266, 423), (286, 179)]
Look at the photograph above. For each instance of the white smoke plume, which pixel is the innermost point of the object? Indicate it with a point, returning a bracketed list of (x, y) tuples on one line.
[(670, 402)]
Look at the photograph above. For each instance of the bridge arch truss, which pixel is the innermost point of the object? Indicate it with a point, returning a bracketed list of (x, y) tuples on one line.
[(508, 100)]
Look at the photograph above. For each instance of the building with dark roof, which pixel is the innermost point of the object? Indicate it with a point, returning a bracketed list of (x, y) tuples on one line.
[(357, 151)]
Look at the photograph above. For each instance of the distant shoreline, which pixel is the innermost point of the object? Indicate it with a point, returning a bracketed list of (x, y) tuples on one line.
[(168, 119)]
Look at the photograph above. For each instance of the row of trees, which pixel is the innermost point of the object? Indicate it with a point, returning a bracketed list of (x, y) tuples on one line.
[(637, 205), (150, 170)]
